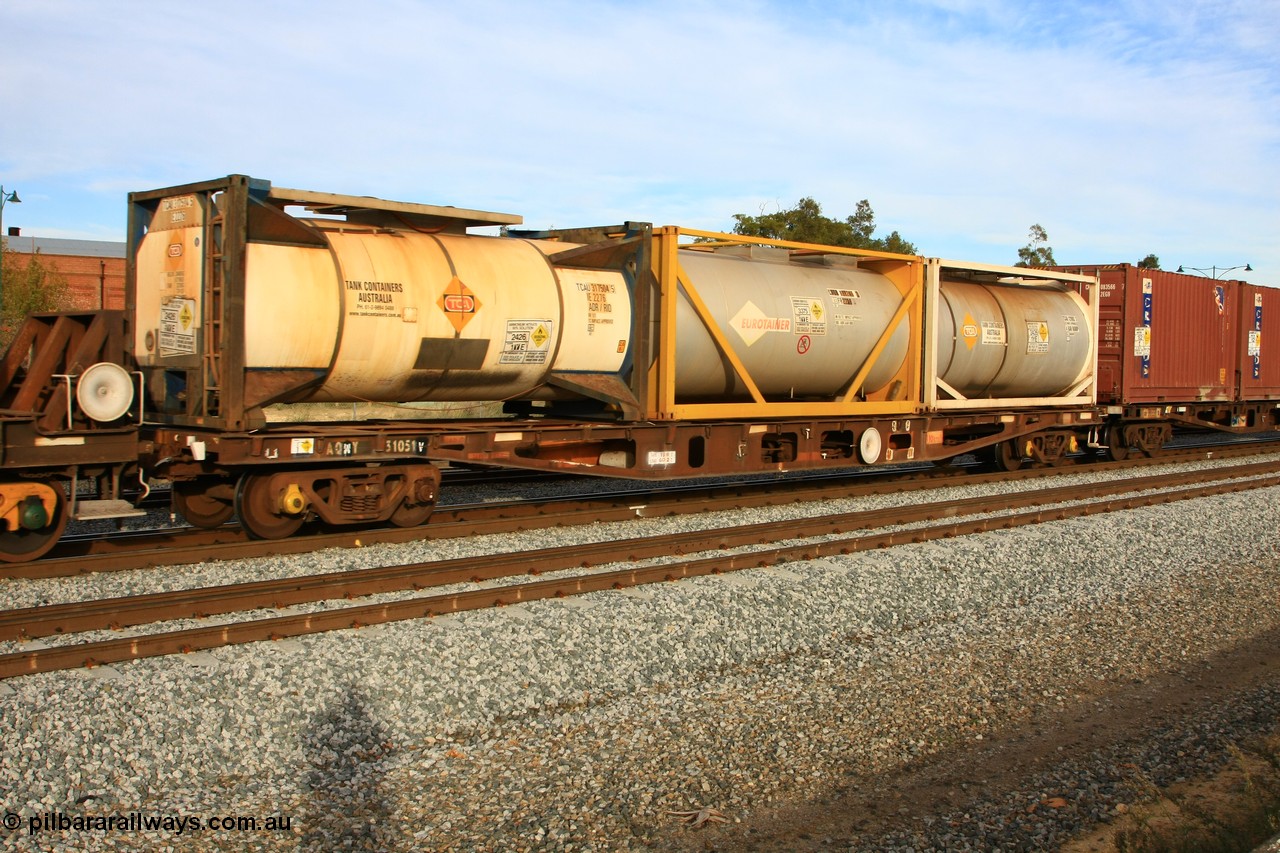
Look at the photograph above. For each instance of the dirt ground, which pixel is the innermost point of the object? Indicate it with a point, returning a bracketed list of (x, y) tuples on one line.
[(943, 783)]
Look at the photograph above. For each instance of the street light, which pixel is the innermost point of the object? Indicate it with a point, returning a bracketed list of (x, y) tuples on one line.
[(4, 199), (1214, 272)]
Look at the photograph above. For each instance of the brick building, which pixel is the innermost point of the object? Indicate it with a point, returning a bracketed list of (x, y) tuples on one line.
[(94, 269)]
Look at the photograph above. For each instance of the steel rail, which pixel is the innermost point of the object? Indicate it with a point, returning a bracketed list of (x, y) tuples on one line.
[(109, 651), (113, 613)]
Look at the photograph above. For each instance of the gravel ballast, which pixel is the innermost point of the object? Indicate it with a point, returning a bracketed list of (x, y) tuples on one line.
[(584, 724)]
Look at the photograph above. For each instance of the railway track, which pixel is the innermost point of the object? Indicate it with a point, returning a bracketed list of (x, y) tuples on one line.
[(176, 546), (730, 549)]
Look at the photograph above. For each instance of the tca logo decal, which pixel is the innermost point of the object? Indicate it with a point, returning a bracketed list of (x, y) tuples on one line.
[(458, 303)]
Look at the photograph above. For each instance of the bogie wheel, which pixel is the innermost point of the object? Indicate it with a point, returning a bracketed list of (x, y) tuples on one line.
[(1117, 445), (21, 544), (1008, 455), (258, 506), (199, 506), (418, 501), (411, 516)]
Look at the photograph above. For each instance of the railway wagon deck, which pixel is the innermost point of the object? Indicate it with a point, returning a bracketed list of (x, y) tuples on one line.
[(628, 350)]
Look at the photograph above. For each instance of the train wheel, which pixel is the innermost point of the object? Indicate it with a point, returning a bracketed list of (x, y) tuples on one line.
[(411, 516), (258, 505), (1117, 445), (198, 505), (1008, 455), (21, 543), (420, 500)]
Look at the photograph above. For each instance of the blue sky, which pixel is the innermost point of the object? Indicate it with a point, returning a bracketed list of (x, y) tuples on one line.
[(1122, 127)]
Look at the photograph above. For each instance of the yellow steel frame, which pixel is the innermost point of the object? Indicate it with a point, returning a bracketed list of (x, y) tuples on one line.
[(906, 272)]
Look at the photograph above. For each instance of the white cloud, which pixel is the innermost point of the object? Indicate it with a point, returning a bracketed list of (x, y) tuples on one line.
[(1122, 127)]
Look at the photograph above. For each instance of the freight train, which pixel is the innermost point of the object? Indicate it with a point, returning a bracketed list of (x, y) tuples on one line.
[(629, 350)]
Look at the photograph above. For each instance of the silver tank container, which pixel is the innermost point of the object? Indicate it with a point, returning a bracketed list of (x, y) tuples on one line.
[(999, 340), (801, 330)]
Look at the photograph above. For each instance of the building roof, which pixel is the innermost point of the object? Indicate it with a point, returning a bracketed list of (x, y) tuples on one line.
[(59, 246)]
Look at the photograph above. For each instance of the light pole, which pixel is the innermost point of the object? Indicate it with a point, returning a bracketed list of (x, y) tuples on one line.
[(5, 198), (1214, 272)]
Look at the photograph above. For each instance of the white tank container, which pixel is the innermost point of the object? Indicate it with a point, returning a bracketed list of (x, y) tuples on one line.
[(403, 316), (1012, 341)]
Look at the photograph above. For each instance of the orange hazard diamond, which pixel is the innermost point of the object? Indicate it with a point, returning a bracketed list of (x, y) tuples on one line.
[(458, 303)]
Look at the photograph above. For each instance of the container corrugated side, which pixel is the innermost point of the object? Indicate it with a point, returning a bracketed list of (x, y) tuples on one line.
[(1164, 337), (1259, 342)]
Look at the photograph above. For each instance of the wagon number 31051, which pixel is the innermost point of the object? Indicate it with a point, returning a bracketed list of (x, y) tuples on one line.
[(407, 445)]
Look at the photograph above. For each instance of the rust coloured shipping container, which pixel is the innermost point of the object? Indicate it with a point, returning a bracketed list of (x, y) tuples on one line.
[(1259, 343), (1165, 337)]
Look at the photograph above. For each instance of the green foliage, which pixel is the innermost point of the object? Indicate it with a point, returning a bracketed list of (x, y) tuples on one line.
[(805, 223), (1150, 262), (28, 285), (1037, 253)]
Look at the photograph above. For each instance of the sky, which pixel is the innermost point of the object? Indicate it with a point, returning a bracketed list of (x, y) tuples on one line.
[(1122, 127)]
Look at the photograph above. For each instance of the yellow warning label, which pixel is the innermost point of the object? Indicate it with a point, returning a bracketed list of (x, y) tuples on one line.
[(808, 316), (177, 334), (527, 342), (1142, 341), (1037, 336)]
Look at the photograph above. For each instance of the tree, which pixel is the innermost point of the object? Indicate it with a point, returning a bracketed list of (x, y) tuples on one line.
[(29, 285), (1150, 262), (1037, 253), (805, 223)]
